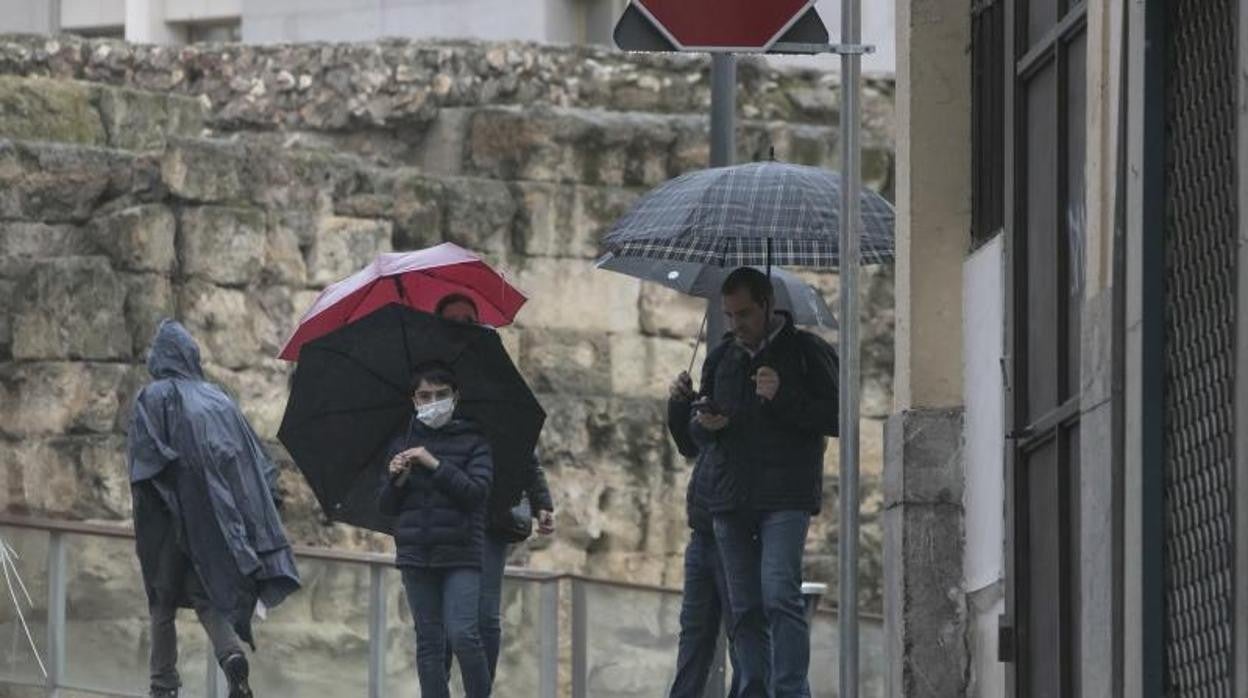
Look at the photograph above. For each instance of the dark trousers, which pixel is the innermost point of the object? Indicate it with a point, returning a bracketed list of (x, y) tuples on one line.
[(762, 554), (703, 605), (445, 604), (164, 656), (493, 566)]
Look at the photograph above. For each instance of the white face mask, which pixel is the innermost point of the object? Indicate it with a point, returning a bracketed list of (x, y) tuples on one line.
[(435, 415)]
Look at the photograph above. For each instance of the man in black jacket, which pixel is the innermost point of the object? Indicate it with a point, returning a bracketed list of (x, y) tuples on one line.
[(769, 402), (704, 601)]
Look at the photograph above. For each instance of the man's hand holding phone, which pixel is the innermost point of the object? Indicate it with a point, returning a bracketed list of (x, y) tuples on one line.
[(709, 415)]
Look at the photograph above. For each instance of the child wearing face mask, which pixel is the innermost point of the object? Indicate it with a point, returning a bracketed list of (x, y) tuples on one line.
[(437, 485)]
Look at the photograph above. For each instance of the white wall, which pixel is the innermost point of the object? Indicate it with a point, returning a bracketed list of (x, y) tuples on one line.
[(92, 14), (360, 20), (202, 10), (25, 16), (984, 490)]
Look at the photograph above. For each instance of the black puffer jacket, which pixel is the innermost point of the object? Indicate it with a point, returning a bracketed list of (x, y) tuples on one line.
[(440, 515), (679, 416), (770, 456)]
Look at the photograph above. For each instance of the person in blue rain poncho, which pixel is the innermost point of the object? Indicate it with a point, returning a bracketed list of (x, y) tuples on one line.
[(207, 529)]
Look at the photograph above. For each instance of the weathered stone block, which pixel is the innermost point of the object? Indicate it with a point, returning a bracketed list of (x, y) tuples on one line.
[(261, 393), (8, 299), (61, 183), (71, 308), (74, 477), (565, 362), (43, 109), (344, 245), (24, 240), (222, 245), (413, 200), (572, 295), (570, 145), (283, 259), (59, 398), (479, 214), (135, 120), (567, 220), (645, 366), (206, 171), (149, 299), (668, 313), (220, 320), (139, 238)]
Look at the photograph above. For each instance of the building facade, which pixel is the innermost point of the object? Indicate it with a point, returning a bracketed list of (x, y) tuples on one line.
[(1070, 431)]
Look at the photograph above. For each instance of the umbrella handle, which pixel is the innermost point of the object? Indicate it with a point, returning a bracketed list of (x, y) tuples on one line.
[(698, 341)]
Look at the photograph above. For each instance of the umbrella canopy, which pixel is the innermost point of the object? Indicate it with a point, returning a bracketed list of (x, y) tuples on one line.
[(704, 281), (761, 213), (417, 279), (351, 394)]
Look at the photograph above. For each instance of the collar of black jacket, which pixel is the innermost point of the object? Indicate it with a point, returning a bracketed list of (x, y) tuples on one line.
[(782, 329), (455, 427)]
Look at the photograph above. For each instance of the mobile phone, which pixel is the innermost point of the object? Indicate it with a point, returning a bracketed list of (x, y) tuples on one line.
[(707, 406)]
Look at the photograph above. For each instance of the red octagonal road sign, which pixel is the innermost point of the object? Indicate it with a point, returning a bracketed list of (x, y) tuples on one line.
[(723, 25)]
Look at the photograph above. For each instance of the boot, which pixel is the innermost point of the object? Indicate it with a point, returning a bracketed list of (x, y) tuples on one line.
[(164, 693), (236, 672)]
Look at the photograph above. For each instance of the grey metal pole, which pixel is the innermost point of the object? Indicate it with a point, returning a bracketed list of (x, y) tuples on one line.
[(723, 152), (58, 586), (851, 185), (377, 635), (723, 109)]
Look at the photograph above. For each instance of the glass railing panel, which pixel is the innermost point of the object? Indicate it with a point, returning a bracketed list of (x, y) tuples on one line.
[(315, 645), (631, 642), (825, 657), (17, 660)]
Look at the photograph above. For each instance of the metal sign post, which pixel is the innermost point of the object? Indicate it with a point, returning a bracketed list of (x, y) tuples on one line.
[(851, 185)]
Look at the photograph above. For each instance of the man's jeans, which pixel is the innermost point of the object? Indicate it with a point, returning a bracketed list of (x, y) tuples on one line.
[(446, 606), (493, 565), (704, 604), (762, 554)]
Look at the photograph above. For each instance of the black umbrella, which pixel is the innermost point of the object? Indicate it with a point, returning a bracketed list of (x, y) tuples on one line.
[(351, 395)]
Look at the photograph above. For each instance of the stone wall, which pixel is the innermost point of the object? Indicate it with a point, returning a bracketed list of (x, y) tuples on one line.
[(225, 185)]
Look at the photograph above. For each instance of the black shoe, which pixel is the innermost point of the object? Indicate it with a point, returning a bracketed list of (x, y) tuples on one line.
[(164, 693), (236, 672)]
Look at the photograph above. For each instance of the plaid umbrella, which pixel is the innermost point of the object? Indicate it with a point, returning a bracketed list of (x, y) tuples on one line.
[(754, 214)]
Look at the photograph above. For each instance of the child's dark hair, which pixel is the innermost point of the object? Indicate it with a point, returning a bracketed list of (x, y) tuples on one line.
[(453, 299), (433, 373)]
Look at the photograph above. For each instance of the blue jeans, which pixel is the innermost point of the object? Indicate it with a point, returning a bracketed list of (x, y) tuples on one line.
[(446, 605), (762, 553), (493, 564), (703, 605)]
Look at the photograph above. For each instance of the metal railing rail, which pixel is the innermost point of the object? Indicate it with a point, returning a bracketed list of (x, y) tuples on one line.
[(377, 563)]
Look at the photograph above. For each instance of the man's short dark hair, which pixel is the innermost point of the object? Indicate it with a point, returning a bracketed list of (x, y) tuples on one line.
[(752, 280), (453, 299), (434, 373)]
